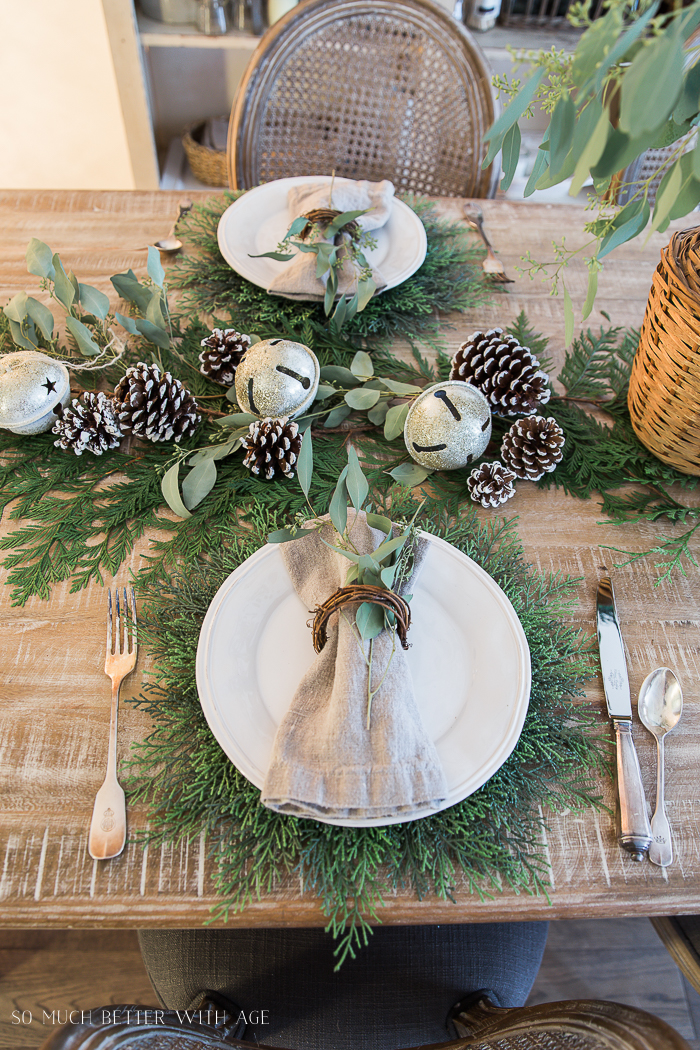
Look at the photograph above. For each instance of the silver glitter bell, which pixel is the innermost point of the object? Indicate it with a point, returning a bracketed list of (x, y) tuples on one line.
[(448, 425), (277, 378), (31, 385)]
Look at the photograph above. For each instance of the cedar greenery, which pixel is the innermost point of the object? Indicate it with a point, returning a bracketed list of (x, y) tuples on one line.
[(492, 838)]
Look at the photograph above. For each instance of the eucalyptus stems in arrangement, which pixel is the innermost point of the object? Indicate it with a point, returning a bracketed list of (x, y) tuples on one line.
[(632, 84)]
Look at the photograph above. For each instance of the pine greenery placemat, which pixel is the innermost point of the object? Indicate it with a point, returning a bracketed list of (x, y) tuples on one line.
[(493, 838)]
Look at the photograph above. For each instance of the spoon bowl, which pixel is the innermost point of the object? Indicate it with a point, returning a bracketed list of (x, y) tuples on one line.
[(660, 706), (171, 243)]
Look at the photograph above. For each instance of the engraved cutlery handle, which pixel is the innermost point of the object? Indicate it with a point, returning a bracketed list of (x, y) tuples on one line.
[(661, 849), (635, 831)]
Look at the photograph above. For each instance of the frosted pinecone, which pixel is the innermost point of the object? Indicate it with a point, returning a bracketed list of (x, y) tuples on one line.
[(222, 354), (533, 447), (89, 424), (491, 484), (154, 405), (507, 374), (272, 447)]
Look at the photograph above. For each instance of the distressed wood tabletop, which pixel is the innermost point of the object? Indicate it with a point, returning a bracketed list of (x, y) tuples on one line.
[(54, 710)]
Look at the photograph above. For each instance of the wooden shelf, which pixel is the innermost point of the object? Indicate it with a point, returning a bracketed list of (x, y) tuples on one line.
[(161, 34)]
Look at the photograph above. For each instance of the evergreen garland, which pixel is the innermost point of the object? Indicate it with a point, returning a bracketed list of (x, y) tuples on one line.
[(492, 838)]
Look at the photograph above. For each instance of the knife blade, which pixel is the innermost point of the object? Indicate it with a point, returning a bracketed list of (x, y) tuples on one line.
[(635, 830)]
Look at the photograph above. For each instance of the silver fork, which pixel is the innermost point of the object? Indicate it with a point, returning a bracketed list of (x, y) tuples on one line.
[(108, 827), (492, 266)]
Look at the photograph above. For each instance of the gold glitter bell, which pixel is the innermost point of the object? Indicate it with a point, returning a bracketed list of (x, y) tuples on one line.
[(31, 386), (277, 378), (448, 426)]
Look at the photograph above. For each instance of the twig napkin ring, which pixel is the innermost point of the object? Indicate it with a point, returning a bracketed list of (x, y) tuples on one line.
[(360, 592)]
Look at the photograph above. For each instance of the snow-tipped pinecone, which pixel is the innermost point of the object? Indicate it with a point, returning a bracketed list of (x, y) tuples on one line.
[(88, 424), (533, 447), (273, 447), (491, 484), (222, 354), (507, 374), (154, 405)]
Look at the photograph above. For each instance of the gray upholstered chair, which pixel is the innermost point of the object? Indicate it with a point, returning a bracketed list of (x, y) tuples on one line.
[(370, 89), (573, 1025)]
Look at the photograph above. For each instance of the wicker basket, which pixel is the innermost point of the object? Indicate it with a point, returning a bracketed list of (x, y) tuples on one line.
[(664, 393), (208, 165)]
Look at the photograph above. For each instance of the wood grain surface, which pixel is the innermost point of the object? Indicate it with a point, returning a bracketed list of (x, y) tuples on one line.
[(54, 709)]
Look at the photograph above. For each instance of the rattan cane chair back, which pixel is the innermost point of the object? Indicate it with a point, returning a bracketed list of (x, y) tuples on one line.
[(370, 89), (573, 1025)]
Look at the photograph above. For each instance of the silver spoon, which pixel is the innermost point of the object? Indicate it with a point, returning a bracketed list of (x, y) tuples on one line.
[(171, 243), (660, 706)]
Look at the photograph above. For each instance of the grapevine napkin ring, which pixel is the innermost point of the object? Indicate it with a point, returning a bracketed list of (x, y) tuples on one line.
[(360, 592)]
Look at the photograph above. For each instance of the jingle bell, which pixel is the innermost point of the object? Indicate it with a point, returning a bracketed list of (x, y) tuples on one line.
[(31, 386), (277, 377), (448, 426)]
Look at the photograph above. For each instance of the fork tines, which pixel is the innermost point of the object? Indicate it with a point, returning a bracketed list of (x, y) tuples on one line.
[(114, 639)]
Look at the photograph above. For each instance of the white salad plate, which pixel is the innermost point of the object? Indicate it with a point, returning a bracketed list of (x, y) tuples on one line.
[(469, 660), (259, 219)]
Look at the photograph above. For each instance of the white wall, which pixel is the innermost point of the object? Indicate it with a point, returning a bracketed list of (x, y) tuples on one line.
[(61, 124)]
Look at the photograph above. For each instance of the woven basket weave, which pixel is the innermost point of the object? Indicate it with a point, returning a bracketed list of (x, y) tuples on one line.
[(208, 165), (664, 392)]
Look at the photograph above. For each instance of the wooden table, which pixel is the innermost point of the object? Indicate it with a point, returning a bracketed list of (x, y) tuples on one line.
[(55, 698)]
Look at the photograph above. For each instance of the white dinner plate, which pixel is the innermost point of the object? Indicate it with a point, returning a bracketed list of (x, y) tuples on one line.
[(469, 660), (259, 219)]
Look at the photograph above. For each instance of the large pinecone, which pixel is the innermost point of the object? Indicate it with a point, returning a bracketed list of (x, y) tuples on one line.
[(507, 374), (533, 447), (89, 424), (154, 405), (491, 484), (222, 354), (273, 447)]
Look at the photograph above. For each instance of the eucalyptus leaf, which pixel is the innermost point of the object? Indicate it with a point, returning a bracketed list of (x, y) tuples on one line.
[(305, 463), (619, 50), (16, 309), (128, 287), (216, 452), (538, 170), (338, 374), (74, 281), (41, 315), (155, 270), (594, 45), (94, 300), (389, 546), (27, 340), (669, 189), (336, 417), (358, 486), (365, 291), (362, 399), (342, 220), (362, 366), (304, 422), (378, 414), (568, 317), (324, 391), (338, 509), (368, 563), (395, 420), (277, 256), (40, 259), (198, 483), (510, 155), (127, 322), (561, 133), (369, 620), (237, 419), (338, 318), (627, 225), (589, 153), (331, 289), (410, 474), (591, 293), (660, 64), (350, 555), (689, 100), (155, 314), (153, 333), (285, 535), (171, 491), (379, 521), (511, 115), (83, 337), (63, 287), (387, 575), (620, 150), (399, 388)]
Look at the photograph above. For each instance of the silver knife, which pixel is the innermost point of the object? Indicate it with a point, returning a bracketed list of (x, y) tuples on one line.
[(635, 830)]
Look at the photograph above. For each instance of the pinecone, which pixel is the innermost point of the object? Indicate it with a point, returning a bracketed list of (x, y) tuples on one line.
[(273, 447), (507, 374), (222, 355), (533, 447), (153, 405), (491, 484), (90, 423)]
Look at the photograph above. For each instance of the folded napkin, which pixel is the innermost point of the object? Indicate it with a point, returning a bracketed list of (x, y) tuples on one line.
[(325, 761), (298, 280)]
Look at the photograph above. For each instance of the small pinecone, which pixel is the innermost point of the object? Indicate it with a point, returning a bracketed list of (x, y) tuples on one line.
[(507, 374), (533, 447), (154, 405), (273, 447), (491, 484), (222, 354), (89, 424)]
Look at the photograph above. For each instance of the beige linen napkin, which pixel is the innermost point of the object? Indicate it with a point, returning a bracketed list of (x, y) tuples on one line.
[(325, 761), (298, 279)]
